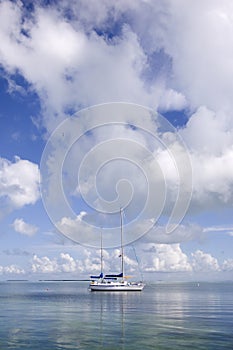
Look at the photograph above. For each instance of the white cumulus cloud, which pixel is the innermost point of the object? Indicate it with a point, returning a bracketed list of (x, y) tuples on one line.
[(65, 263), (68, 263), (24, 228), (202, 261), (19, 183), (44, 264), (166, 258), (11, 269), (227, 265), (69, 64)]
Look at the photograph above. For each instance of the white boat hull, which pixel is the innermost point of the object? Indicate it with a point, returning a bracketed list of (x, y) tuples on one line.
[(116, 287)]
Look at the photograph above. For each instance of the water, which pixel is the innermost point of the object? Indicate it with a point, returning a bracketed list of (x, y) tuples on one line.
[(65, 315)]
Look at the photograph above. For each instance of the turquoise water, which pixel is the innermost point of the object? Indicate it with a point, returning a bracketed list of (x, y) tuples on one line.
[(65, 315)]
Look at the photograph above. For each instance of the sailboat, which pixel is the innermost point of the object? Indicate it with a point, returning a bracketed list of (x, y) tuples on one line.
[(114, 282)]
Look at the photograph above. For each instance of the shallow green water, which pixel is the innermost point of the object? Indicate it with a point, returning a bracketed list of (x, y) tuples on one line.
[(65, 315)]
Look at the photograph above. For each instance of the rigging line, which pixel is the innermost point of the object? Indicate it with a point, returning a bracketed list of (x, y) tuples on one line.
[(139, 268), (122, 248)]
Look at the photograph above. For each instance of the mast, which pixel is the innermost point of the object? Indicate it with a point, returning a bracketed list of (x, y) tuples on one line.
[(101, 253), (122, 249)]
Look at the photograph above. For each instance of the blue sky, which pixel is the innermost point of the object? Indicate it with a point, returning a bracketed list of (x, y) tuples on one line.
[(60, 57)]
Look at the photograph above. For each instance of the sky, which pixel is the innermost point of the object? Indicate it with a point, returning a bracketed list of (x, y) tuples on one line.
[(107, 105)]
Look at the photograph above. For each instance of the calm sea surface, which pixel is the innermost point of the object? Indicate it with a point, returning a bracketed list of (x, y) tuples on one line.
[(65, 315)]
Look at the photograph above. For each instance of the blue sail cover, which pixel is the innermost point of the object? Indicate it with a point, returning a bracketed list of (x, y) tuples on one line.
[(100, 276), (112, 276)]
